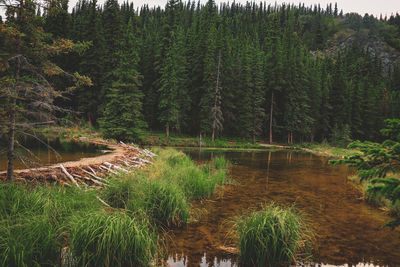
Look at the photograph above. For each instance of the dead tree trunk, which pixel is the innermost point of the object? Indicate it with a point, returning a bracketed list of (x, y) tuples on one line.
[(270, 117), (11, 130), (11, 144), (167, 129), (216, 108)]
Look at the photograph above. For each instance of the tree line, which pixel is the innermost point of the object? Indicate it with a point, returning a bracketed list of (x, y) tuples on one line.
[(244, 70)]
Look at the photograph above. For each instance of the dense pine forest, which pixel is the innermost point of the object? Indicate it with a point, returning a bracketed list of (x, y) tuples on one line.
[(283, 73)]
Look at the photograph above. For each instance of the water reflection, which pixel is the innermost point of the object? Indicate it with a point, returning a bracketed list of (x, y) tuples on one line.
[(348, 231), (178, 261), (40, 154)]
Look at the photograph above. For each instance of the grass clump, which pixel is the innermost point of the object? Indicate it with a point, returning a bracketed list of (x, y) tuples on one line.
[(272, 236), (220, 163), (164, 190), (33, 221), (116, 239)]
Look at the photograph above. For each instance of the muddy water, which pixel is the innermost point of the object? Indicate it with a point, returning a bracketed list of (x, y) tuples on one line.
[(40, 154), (348, 231)]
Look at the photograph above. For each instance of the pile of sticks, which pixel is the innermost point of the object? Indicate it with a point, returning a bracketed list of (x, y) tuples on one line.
[(94, 175)]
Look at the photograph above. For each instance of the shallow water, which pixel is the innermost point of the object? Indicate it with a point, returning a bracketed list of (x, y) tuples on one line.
[(67, 150), (348, 231)]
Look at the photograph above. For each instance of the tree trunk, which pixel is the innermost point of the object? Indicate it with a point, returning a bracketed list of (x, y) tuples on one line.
[(216, 99), (167, 130), (11, 144), (11, 129), (270, 117), (200, 140)]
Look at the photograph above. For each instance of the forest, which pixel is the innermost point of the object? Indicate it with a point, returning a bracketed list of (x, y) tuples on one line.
[(281, 73), (237, 75)]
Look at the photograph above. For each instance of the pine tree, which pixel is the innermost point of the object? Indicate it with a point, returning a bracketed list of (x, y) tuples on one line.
[(257, 93), (26, 74), (173, 98), (123, 119), (209, 81), (90, 99)]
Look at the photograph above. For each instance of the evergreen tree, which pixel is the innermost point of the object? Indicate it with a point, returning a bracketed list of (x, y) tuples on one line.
[(173, 97), (123, 119)]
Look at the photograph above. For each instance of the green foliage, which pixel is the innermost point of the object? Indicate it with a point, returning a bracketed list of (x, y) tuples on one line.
[(377, 162), (104, 239), (273, 236), (259, 56), (341, 137), (123, 119)]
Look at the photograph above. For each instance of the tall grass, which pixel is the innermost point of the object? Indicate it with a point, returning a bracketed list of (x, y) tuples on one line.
[(29, 241), (220, 163), (196, 182), (104, 239), (272, 236), (33, 222), (164, 190), (37, 222)]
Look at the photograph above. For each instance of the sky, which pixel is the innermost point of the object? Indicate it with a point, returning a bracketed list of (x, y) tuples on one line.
[(375, 7)]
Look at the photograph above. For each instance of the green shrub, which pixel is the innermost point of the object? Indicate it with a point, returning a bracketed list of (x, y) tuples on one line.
[(270, 237), (112, 239)]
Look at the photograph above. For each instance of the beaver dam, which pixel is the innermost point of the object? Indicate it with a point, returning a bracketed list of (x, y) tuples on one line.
[(348, 231), (84, 162)]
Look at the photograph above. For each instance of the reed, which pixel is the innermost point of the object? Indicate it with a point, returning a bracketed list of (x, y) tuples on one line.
[(272, 236), (220, 163)]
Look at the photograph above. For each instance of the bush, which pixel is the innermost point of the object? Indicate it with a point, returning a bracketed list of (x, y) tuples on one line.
[(270, 237)]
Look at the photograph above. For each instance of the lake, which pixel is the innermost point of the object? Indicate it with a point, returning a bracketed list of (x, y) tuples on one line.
[(348, 231)]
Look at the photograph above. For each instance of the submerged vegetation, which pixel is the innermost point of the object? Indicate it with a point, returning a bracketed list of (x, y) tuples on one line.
[(272, 236), (37, 223)]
